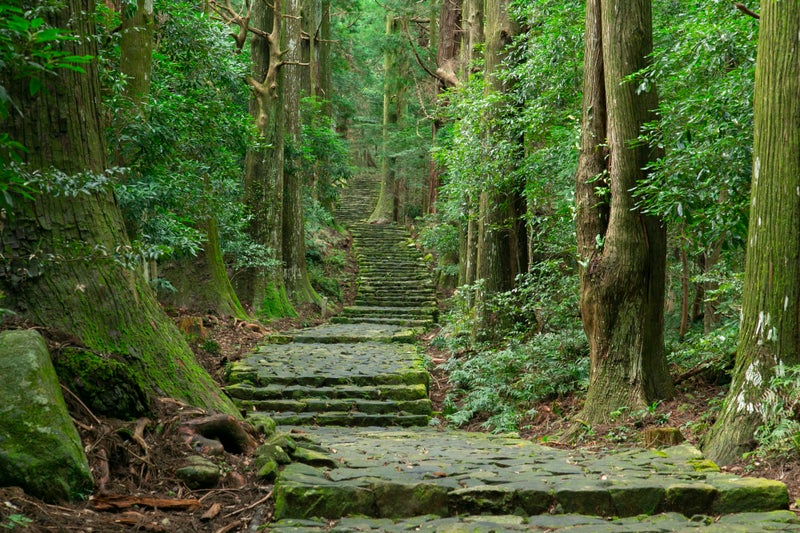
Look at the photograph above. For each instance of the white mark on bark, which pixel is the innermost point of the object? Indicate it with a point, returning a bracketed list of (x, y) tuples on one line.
[(759, 221), (772, 334), (761, 326), (752, 376), (785, 303), (756, 170)]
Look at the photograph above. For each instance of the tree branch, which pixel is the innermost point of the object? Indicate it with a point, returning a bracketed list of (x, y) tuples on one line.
[(744, 9), (431, 73)]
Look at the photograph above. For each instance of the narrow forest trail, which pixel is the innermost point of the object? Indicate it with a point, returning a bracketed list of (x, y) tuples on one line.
[(355, 392)]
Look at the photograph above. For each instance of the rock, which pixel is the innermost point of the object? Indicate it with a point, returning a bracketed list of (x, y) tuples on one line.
[(313, 458), (262, 423), (269, 470), (200, 473), (107, 385), (271, 452), (40, 449)]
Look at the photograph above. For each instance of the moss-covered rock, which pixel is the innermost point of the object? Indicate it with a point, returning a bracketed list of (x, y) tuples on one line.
[(738, 495), (40, 449), (107, 386), (199, 473)]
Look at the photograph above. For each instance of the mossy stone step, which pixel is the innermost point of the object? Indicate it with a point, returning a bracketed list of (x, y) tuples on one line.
[(342, 333), (244, 391), (329, 364), (664, 522), (341, 405), (387, 473), (406, 322), (391, 311), (349, 419)]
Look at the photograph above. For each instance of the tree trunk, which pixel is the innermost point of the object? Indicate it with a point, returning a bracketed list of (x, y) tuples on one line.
[(770, 329), (494, 265), (472, 24), (324, 79), (202, 284), (622, 252), (136, 49), (291, 87), (386, 208), (59, 265), (262, 287), (472, 36)]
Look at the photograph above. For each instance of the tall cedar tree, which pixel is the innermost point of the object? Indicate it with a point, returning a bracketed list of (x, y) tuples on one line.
[(292, 87), (622, 251), (263, 287), (59, 269), (769, 334)]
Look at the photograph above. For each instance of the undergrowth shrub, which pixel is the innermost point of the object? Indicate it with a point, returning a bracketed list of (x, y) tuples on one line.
[(779, 432), (546, 354)]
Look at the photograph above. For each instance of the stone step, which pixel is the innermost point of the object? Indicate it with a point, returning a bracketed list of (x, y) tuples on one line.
[(663, 522), (349, 419), (243, 391), (329, 364), (394, 473), (411, 301), (342, 333), (392, 312), (341, 405), (407, 322)]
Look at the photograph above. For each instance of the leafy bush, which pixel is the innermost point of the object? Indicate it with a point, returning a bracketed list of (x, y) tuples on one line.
[(779, 433), (505, 384)]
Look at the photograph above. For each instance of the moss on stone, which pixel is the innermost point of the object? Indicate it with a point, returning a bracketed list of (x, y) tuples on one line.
[(105, 384), (737, 495), (40, 450)]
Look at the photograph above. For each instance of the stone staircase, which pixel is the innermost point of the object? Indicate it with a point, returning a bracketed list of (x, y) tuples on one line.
[(348, 375), (352, 396), (394, 283), (362, 369)]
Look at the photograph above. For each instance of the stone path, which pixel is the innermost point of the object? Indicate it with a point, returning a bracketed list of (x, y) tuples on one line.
[(352, 399)]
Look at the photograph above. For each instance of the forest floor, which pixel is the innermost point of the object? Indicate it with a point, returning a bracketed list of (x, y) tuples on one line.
[(141, 492)]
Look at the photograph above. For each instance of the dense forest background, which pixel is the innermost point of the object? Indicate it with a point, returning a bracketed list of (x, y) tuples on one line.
[(203, 159)]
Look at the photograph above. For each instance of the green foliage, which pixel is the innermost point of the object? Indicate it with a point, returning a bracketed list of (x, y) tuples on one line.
[(15, 520), (546, 355), (325, 155), (506, 384), (182, 169), (30, 50), (779, 432), (713, 351)]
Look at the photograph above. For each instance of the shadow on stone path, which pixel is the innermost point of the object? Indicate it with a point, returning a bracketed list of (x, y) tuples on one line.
[(352, 396)]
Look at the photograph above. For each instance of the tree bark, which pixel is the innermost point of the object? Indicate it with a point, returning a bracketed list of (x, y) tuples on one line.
[(136, 49), (294, 242), (622, 252), (386, 207), (262, 287), (769, 334), (59, 268), (494, 266)]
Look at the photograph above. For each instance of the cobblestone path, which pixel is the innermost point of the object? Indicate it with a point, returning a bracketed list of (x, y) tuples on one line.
[(351, 400)]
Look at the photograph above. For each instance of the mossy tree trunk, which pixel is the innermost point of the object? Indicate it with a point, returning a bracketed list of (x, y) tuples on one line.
[(472, 37), (495, 262), (261, 286), (292, 88), (202, 283), (136, 48), (59, 268), (622, 251), (386, 207), (769, 334)]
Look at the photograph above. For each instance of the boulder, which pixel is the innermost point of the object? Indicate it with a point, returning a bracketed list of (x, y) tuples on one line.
[(40, 449), (199, 473)]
